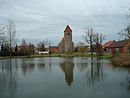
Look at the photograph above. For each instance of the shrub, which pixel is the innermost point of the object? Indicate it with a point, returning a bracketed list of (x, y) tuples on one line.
[(121, 60)]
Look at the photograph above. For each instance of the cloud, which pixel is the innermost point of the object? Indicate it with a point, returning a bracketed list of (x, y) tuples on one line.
[(46, 19)]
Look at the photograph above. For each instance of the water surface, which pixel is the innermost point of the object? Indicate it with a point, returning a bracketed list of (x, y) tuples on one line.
[(54, 77)]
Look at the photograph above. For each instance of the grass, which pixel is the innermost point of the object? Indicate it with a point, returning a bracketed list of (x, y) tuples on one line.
[(107, 56), (72, 54)]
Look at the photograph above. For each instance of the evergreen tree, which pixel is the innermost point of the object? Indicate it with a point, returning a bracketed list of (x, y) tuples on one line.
[(16, 48)]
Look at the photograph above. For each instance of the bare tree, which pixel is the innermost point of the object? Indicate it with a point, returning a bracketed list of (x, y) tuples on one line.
[(23, 48), (26, 48), (98, 39), (41, 46), (2, 28), (89, 38), (31, 49), (47, 42), (125, 32), (81, 47), (10, 35)]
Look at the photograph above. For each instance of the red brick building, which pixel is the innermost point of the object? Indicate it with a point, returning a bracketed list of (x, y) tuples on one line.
[(122, 46), (106, 46), (54, 49)]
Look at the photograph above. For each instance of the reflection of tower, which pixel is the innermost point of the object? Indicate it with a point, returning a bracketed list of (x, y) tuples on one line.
[(67, 67)]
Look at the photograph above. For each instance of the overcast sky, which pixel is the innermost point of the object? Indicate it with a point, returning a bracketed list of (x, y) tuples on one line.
[(37, 20)]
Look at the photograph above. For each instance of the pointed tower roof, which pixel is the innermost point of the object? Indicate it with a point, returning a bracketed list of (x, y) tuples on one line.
[(68, 29)]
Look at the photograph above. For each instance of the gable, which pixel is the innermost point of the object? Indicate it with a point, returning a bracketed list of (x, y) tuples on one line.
[(68, 29)]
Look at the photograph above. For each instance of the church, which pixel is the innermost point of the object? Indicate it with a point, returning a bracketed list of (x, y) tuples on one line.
[(66, 44)]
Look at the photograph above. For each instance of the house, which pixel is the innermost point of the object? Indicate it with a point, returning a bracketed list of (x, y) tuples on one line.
[(66, 44), (54, 49), (106, 46), (43, 52), (122, 46)]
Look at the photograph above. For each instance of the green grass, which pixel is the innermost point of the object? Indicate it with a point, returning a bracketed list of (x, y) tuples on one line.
[(72, 54), (107, 56)]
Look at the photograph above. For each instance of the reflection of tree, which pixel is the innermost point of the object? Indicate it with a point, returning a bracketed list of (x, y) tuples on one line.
[(82, 65), (7, 79), (41, 65), (67, 67), (96, 72), (44, 64), (27, 66), (50, 63), (126, 82)]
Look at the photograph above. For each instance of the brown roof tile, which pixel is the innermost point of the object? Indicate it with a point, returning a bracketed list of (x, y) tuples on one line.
[(121, 43), (68, 29), (61, 40), (107, 44), (53, 47)]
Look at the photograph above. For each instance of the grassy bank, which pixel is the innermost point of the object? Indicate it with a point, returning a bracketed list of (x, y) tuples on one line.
[(121, 60), (61, 55)]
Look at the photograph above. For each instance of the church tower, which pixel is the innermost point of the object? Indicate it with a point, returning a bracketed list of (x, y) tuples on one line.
[(69, 45), (66, 44)]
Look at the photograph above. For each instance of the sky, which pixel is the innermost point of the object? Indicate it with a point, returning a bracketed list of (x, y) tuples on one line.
[(38, 20)]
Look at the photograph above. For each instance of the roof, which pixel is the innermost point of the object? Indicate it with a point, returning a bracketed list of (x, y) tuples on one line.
[(62, 40), (53, 47), (107, 44), (68, 29), (121, 43)]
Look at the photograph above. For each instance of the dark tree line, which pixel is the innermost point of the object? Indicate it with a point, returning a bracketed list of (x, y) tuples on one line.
[(8, 42), (26, 48)]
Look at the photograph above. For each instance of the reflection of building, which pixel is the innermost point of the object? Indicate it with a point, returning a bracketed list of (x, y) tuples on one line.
[(66, 44), (67, 67)]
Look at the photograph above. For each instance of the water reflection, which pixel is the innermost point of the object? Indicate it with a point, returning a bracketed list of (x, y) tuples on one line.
[(41, 66), (96, 71), (82, 64), (67, 67), (44, 64), (27, 66), (7, 78), (126, 81), (43, 76), (128, 78)]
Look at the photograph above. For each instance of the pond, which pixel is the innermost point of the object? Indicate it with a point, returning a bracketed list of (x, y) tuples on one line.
[(54, 77)]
